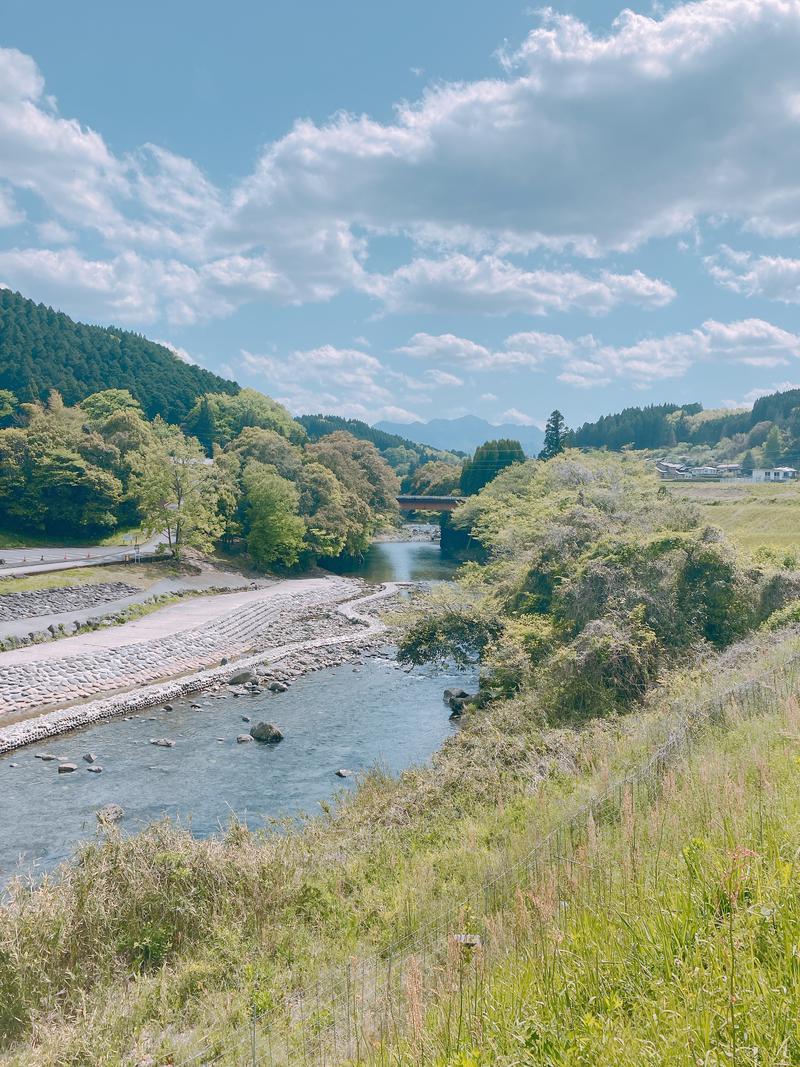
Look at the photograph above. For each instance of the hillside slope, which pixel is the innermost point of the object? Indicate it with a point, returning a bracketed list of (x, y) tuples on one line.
[(42, 349)]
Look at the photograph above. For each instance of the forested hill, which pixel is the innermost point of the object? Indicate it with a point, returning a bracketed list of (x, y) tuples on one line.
[(770, 431), (42, 349), (404, 455)]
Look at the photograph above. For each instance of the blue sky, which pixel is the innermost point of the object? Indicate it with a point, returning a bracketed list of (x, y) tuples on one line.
[(420, 209)]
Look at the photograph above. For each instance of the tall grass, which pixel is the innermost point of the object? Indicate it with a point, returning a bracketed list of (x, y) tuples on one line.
[(669, 937)]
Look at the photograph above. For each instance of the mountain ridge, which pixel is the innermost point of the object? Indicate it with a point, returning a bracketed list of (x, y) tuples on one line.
[(464, 434)]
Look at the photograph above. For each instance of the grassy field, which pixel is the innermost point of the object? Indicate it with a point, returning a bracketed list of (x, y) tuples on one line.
[(753, 515), (160, 944)]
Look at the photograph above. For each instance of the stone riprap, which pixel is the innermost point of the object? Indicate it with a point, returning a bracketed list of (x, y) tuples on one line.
[(354, 635), (56, 681), (37, 602)]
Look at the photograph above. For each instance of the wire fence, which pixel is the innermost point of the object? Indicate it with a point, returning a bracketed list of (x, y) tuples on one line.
[(362, 1010)]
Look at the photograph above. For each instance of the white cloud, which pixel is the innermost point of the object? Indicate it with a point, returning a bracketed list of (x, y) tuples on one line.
[(10, 214), (442, 377), (750, 397), (587, 362), (494, 286), (178, 352), (770, 277), (597, 142), (519, 418), (343, 381), (583, 142)]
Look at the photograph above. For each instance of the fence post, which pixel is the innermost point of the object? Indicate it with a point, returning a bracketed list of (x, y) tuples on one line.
[(253, 1024)]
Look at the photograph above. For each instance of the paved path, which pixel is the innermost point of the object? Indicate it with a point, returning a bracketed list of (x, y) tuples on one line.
[(37, 560), (181, 639), (205, 580)]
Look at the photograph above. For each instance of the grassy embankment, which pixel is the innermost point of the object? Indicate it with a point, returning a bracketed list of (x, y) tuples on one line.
[(754, 516), (160, 944), (670, 937)]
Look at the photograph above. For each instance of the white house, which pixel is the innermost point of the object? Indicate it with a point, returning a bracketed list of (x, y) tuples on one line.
[(774, 474), (705, 472)]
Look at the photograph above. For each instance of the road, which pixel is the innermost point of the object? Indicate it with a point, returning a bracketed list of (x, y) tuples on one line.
[(36, 560)]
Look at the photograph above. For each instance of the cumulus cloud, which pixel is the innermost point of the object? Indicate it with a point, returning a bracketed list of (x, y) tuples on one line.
[(587, 362), (494, 286), (771, 277), (344, 381), (10, 214), (585, 142), (518, 418), (492, 164)]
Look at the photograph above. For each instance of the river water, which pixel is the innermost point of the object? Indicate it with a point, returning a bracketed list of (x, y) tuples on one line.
[(352, 716)]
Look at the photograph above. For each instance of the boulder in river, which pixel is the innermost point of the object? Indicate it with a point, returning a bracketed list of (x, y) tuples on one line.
[(266, 733), (278, 687), (66, 768), (241, 677), (46, 757), (343, 772), (162, 742), (96, 769), (448, 694), (242, 739), (110, 813), (90, 757)]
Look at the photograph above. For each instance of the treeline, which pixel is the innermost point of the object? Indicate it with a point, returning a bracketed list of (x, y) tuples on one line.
[(42, 349), (85, 469), (405, 457), (765, 435), (595, 581)]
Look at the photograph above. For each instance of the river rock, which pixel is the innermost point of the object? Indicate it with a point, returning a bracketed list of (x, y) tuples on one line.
[(66, 768), (110, 813), (243, 739), (343, 772), (90, 757), (278, 687), (448, 694), (266, 733), (46, 757), (97, 769), (162, 742), (241, 677)]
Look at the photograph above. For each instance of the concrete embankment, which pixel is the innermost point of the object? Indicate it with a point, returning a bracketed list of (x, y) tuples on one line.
[(323, 630)]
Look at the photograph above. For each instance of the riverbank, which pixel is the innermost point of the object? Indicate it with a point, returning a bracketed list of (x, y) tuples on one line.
[(158, 947), (340, 626)]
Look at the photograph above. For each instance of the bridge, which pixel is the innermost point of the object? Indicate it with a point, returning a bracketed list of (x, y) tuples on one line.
[(429, 503)]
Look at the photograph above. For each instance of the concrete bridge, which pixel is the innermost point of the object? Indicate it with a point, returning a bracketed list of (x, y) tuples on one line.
[(429, 503)]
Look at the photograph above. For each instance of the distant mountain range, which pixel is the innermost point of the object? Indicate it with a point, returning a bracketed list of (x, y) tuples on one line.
[(464, 434)]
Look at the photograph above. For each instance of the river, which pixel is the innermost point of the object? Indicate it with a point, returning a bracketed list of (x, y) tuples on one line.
[(352, 716)]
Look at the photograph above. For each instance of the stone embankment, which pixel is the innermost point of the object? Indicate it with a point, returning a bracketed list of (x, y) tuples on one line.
[(36, 602), (323, 632)]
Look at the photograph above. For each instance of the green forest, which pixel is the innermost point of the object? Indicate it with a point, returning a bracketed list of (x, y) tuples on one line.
[(42, 349), (86, 469), (765, 435)]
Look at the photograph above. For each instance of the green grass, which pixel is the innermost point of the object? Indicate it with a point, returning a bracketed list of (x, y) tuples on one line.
[(670, 938), (160, 943), (754, 516)]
